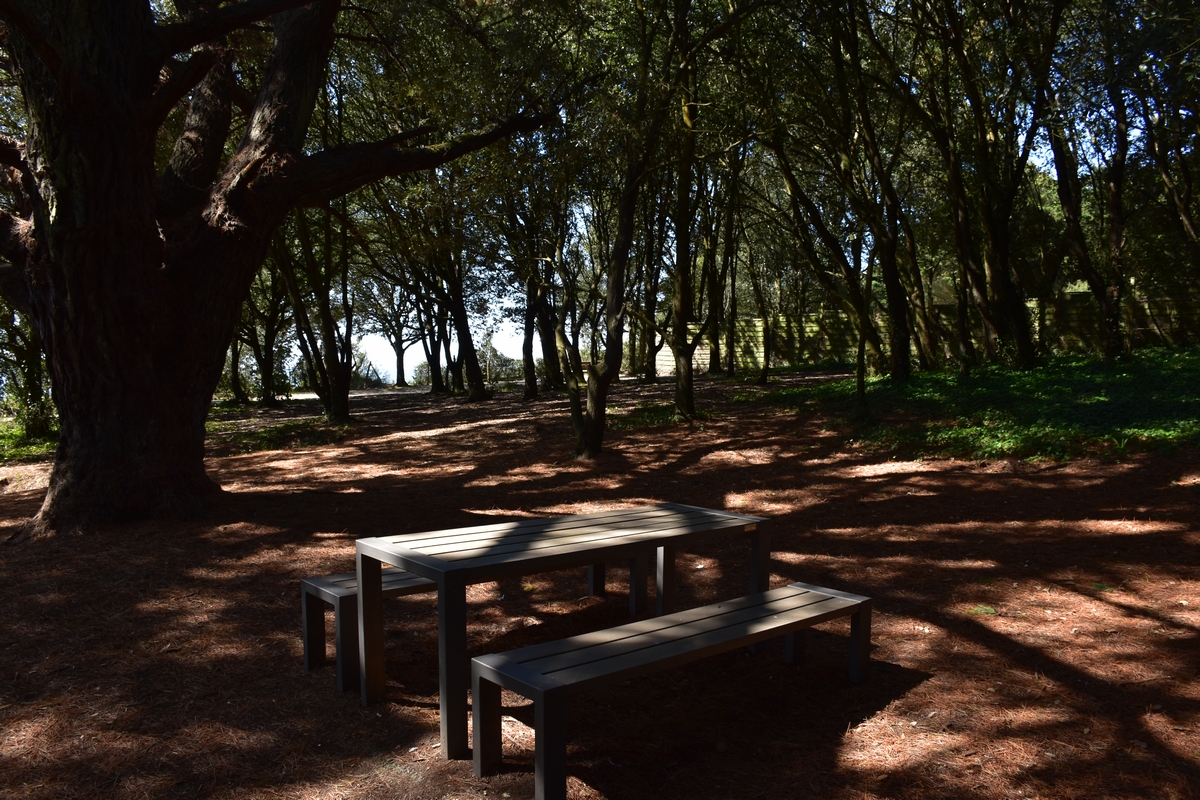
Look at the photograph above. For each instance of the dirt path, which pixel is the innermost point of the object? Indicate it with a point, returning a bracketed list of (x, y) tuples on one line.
[(1036, 626)]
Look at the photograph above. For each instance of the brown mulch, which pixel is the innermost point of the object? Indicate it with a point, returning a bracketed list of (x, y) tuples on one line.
[(1035, 628)]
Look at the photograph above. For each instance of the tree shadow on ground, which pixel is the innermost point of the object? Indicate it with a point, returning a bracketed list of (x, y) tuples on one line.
[(163, 659)]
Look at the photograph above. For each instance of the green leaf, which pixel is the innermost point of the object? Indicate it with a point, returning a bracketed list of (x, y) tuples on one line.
[(988, 610)]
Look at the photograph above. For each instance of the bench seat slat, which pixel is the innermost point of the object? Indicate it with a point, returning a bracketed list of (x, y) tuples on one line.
[(639, 656), (550, 673), (341, 592), (600, 637)]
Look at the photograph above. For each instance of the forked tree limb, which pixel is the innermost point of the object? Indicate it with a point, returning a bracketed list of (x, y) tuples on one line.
[(14, 288), (23, 19), (317, 179), (12, 153), (184, 77), (180, 36)]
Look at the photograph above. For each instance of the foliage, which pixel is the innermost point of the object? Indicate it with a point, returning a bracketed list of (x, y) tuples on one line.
[(421, 376), (1067, 408), (645, 415), (285, 436), (15, 445)]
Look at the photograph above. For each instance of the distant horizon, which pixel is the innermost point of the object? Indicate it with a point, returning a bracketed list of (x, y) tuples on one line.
[(507, 339)]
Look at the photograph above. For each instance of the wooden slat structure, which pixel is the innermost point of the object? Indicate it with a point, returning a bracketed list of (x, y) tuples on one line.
[(550, 673), (454, 559), (341, 592)]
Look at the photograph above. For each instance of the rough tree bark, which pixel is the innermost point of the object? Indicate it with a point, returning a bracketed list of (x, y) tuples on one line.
[(135, 280)]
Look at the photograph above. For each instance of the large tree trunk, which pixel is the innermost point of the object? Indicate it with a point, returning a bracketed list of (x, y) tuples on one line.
[(134, 280)]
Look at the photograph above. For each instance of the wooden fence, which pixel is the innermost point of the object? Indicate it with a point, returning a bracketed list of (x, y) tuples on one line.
[(1067, 323)]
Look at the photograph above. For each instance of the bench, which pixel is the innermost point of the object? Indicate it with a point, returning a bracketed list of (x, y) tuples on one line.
[(341, 592), (549, 673)]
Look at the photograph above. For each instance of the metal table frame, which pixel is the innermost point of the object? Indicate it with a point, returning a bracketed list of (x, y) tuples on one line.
[(457, 558)]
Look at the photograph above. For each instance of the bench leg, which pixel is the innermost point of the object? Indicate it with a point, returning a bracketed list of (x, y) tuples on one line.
[(596, 580), (486, 722), (312, 625), (860, 642), (345, 624), (793, 646), (550, 748)]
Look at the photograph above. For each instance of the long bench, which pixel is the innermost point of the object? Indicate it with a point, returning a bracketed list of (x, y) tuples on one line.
[(549, 673), (341, 592)]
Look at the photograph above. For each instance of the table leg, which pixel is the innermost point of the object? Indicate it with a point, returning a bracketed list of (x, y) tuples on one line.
[(639, 570), (665, 584), (596, 580), (454, 673), (371, 677), (760, 560), (760, 565)]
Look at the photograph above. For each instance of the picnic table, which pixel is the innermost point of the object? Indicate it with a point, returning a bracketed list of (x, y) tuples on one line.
[(456, 558)]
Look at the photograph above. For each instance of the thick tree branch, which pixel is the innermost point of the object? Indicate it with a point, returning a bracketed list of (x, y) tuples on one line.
[(184, 77), (24, 21), (12, 153), (181, 36), (196, 157), (14, 237), (14, 288), (332, 173)]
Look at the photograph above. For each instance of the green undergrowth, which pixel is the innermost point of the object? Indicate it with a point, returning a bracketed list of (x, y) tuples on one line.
[(1067, 408), (645, 415), (15, 446), (284, 436)]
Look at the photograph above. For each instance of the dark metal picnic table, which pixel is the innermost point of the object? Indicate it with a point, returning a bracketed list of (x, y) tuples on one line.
[(457, 558)]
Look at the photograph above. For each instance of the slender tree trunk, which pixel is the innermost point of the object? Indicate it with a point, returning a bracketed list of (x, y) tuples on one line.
[(528, 331), (468, 357), (398, 348), (683, 307)]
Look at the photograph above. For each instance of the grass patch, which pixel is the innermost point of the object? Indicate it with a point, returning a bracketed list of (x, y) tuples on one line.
[(284, 436), (15, 446), (1067, 408), (645, 415)]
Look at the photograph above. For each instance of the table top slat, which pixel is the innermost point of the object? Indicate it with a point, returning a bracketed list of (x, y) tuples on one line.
[(664, 514), (544, 543)]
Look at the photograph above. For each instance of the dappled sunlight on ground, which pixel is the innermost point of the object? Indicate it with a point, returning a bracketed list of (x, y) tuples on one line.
[(1036, 626)]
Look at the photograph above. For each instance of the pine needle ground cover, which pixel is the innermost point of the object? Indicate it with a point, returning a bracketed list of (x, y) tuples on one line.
[(1036, 630)]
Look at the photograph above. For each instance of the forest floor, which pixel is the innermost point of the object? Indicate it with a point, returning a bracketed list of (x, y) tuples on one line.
[(1036, 628)]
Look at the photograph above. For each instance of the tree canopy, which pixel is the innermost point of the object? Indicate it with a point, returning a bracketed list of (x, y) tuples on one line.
[(921, 184)]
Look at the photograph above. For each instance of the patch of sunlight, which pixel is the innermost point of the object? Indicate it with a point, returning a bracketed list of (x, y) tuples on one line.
[(884, 743), (887, 565), (1136, 527), (770, 501), (563, 509), (886, 468), (435, 432), (759, 456), (25, 735), (500, 512), (523, 474)]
